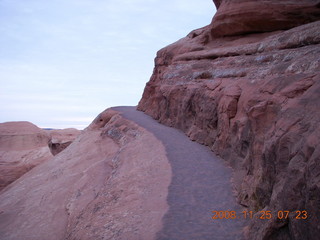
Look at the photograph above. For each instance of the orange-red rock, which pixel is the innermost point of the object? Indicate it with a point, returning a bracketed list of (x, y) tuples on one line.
[(22, 147), (235, 17), (106, 185), (254, 100), (60, 139)]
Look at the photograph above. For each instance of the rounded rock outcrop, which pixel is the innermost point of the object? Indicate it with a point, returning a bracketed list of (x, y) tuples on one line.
[(22, 147), (237, 17)]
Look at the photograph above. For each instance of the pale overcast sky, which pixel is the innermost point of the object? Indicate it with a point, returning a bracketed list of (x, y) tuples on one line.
[(62, 62)]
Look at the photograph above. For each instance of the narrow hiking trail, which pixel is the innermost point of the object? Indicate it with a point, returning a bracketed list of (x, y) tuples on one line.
[(200, 184)]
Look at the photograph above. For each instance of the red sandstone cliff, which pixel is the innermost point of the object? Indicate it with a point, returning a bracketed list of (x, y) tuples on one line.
[(235, 17), (252, 96)]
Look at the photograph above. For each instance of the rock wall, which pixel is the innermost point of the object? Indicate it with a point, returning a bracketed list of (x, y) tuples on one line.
[(253, 99)]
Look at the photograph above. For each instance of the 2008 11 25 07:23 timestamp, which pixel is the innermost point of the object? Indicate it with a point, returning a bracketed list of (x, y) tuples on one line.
[(264, 215)]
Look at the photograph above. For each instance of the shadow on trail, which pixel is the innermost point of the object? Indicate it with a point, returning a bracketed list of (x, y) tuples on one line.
[(200, 184)]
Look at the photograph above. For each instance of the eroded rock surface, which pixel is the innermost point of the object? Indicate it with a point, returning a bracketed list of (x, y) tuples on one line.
[(110, 183), (60, 139), (235, 17), (253, 99), (22, 147)]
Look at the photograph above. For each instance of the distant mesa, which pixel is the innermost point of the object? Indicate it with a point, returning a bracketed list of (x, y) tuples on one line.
[(23, 146), (106, 185)]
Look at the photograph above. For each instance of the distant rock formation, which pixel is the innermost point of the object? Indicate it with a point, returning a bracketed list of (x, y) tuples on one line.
[(253, 99), (60, 139), (23, 146), (107, 184), (247, 86)]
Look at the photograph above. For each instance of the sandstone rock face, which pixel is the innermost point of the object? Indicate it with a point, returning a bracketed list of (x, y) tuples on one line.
[(236, 17), (61, 139), (110, 183), (22, 147), (253, 100)]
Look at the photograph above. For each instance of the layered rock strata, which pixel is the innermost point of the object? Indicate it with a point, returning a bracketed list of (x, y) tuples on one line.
[(22, 147), (253, 99), (236, 17)]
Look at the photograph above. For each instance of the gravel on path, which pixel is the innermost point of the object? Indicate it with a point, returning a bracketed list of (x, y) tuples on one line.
[(201, 183)]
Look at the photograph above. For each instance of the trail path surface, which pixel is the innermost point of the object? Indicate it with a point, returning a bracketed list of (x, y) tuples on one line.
[(200, 184)]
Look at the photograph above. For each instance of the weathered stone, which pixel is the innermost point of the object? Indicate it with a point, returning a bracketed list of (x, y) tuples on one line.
[(106, 185), (253, 100), (22, 147), (236, 17), (60, 139)]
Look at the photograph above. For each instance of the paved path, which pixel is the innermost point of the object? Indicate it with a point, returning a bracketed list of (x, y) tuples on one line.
[(200, 184)]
